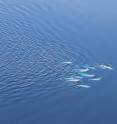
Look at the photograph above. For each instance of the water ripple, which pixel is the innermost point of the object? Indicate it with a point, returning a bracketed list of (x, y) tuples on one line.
[(30, 61)]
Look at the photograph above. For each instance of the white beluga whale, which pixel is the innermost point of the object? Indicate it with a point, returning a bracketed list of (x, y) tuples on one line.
[(71, 79), (74, 80), (78, 81), (96, 79), (83, 75), (67, 62), (103, 66), (82, 70), (78, 77), (87, 75), (83, 86), (90, 67)]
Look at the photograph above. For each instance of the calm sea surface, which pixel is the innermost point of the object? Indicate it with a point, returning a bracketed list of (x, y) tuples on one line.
[(42, 42)]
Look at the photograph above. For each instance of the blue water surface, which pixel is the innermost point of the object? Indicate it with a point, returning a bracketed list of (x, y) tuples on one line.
[(41, 43)]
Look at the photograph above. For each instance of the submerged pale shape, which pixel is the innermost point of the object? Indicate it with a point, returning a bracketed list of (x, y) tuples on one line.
[(102, 66), (84, 86), (90, 67), (71, 79), (87, 75), (67, 62), (82, 70), (96, 79)]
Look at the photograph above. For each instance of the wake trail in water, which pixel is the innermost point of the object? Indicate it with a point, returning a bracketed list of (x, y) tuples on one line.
[(31, 63)]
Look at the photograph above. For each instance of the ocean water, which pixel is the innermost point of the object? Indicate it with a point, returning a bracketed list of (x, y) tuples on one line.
[(58, 62)]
